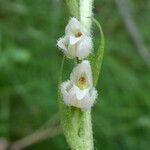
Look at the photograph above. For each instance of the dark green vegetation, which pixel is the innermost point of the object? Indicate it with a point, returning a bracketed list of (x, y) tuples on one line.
[(29, 70)]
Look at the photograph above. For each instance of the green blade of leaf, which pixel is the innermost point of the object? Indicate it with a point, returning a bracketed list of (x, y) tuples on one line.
[(96, 60)]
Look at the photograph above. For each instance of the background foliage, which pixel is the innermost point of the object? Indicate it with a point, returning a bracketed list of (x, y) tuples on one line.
[(29, 67)]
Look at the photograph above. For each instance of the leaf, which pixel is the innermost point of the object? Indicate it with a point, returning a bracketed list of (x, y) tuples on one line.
[(96, 60)]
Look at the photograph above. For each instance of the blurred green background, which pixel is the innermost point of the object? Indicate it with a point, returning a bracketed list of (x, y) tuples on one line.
[(29, 70)]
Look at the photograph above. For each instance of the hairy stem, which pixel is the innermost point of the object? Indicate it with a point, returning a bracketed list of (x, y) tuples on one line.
[(86, 13)]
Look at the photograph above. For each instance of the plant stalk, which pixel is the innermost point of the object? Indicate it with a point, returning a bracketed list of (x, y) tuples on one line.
[(76, 123)]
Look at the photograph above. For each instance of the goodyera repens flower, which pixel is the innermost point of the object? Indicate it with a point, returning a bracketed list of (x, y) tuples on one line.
[(79, 91), (77, 42)]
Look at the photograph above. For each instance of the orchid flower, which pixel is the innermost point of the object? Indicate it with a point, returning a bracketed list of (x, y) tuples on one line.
[(79, 91), (77, 42)]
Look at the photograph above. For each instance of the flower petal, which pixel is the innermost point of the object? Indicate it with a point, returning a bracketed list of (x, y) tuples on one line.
[(65, 90), (71, 53), (83, 68), (72, 26), (76, 95), (88, 101), (80, 94), (63, 42), (73, 40), (84, 48)]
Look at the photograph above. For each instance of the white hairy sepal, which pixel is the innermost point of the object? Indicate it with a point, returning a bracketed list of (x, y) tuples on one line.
[(77, 42), (74, 95)]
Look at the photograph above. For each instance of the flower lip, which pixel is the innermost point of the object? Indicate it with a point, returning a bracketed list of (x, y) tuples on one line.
[(73, 96)]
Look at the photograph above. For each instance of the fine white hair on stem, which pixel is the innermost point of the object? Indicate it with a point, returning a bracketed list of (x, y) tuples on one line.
[(86, 11)]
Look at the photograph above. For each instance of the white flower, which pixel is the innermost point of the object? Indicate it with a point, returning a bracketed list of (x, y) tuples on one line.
[(77, 42), (79, 91)]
